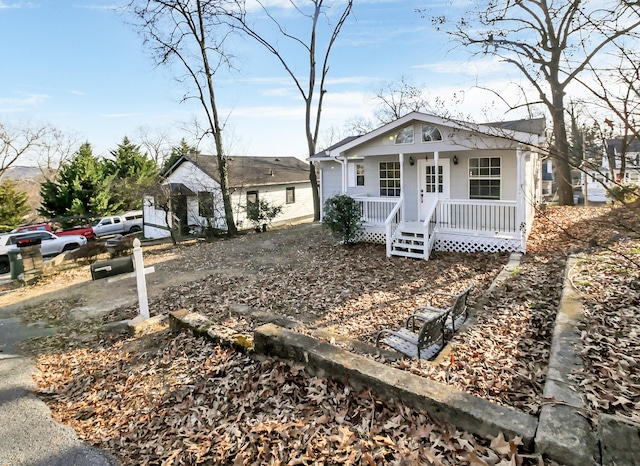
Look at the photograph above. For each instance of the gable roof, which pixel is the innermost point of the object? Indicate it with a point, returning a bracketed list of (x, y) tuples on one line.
[(249, 170), (522, 131)]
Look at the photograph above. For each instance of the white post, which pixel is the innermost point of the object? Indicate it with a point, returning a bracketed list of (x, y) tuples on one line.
[(140, 279)]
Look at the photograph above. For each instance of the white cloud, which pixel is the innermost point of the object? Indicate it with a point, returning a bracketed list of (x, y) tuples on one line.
[(24, 103), (120, 115), (491, 65)]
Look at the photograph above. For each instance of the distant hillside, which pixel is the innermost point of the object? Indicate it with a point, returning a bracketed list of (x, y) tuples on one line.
[(28, 180), (19, 173)]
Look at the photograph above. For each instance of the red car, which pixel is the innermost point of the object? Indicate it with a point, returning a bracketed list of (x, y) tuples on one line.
[(85, 231)]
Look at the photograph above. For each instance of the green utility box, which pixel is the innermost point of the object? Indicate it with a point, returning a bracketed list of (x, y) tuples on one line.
[(15, 264)]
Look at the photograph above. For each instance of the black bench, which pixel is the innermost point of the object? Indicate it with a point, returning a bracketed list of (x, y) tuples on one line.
[(457, 310), (422, 345)]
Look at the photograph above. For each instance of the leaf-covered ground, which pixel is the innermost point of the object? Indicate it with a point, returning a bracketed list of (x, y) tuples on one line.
[(177, 399), (173, 399)]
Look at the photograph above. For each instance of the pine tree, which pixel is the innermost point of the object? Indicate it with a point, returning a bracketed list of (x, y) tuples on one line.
[(13, 206), (176, 153), (78, 188), (128, 175)]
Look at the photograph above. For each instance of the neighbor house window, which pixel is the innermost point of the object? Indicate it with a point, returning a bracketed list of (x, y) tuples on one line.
[(484, 177), (405, 136), (291, 195), (430, 133), (252, 197), (389, 179), (205, 204)]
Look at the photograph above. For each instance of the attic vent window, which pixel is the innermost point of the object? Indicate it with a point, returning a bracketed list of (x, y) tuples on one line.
[(430, 133), (405, 136)]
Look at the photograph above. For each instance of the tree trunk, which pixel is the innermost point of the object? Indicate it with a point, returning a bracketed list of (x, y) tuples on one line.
[(560, 148), (313, 178)]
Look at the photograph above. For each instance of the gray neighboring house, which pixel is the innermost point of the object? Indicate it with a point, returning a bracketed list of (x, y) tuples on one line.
[(191, 193)]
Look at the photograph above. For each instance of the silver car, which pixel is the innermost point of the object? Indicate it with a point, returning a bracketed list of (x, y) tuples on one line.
[(50, 244)]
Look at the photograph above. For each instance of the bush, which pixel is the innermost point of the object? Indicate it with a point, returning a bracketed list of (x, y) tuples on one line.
[(261, 213), (624, 193), (342, 215), (89, 252)]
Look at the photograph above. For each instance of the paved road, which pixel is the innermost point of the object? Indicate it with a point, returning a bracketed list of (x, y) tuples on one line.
[(28, 434)]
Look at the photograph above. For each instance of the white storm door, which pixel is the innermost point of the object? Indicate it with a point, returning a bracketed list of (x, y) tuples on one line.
[(433, 184)]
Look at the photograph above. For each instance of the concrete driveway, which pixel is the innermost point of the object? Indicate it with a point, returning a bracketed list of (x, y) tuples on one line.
[(28, 434)]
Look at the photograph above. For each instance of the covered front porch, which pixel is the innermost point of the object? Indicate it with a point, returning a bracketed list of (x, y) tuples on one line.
[(456, 225)]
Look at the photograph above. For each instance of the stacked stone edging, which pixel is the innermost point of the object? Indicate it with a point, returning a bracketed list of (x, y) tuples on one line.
[(564, 433), (443, 403)]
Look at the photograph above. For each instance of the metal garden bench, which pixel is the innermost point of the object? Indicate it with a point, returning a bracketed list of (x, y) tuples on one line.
[(422, 345), (457, 310)]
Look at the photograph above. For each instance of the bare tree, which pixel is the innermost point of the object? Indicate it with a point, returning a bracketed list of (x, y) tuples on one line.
[(393, 100), (397, 99), (191, 33), (617, 92), (17, 143), (55, 148), (312, 86), (157, 142), (551, 44)]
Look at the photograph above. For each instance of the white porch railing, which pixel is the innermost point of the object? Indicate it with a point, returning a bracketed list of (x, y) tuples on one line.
[(376, 210), (471, 215)]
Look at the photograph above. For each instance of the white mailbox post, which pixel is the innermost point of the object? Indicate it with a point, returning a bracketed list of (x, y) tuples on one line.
[(141, 282)]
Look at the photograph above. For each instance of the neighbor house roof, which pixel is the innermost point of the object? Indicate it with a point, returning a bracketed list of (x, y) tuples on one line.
[(251, 171), (532, 126)]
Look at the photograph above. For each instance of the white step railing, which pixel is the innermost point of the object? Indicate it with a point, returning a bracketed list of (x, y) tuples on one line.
[(392, 222)]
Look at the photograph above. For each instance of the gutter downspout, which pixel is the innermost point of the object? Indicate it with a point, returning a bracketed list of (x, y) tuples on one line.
[(401, 157)]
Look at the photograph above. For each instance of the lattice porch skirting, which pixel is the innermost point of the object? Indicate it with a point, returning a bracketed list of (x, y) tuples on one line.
[(451, 242), (472, 243)]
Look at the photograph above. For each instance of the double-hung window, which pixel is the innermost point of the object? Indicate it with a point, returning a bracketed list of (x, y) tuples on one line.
[(291, 195), (485, 175), (205, 204), (356, 174), (390, 179)]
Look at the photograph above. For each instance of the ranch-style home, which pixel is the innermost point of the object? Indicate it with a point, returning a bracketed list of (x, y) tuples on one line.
[(424, 182), (190, 199)]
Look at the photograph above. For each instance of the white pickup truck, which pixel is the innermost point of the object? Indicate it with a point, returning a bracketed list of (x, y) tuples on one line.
[(129, 222)]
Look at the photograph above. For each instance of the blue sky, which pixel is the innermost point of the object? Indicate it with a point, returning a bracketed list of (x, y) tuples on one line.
[(76, 65)]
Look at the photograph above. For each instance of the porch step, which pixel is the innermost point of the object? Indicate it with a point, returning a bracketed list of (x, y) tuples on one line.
[(414, 255), (402, 239)]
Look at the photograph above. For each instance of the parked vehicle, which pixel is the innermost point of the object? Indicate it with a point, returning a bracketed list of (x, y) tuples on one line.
[(60, 227), (129, 222), (50, 244)]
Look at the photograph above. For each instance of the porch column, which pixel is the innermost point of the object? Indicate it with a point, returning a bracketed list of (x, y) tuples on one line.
[(436, 159), (401, 157), (520, 196)]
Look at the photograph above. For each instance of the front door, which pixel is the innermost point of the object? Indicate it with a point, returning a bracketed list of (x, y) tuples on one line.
[(433, 184)]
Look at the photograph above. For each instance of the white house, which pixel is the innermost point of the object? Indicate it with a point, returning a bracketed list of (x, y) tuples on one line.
[(597, 181), (425, 182), (192, 197)]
